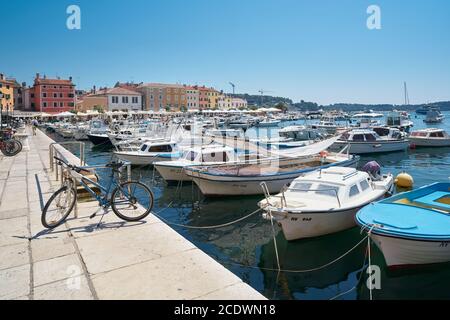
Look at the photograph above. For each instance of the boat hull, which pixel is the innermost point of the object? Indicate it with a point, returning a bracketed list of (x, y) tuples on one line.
[(403, 252), (370, 147), (99, 139), (215, 186), (430, 142), (138, 159), (313, 224), (172, 173)]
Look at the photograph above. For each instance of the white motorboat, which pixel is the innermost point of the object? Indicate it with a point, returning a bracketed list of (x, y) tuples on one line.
[(268, 123), (151, 152), (292, 137), (204, 155), (431, 137), (434, 116), (399, 120), (363, 141), (324, 201)]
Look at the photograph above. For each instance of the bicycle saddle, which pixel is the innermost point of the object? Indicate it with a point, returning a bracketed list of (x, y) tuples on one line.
[(114, 165)]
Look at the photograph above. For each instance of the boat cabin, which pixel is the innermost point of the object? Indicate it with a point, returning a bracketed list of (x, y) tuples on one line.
[(360, 136), (430, 133), (337, 185), (158, 147), (210, 154)]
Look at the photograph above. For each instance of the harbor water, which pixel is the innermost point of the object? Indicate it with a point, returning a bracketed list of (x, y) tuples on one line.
[(247, 248)]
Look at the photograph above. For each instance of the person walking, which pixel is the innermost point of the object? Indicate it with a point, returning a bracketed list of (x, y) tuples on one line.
[(34, 124)]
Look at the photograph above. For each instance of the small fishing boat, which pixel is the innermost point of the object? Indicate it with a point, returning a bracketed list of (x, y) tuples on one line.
[(363, 141), (204, 155), (245, 178), (150, 152), (431, 137), (411, 228), (325, 201)]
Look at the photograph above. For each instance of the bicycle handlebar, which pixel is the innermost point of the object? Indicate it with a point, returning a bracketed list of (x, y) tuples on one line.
[(75, 168)]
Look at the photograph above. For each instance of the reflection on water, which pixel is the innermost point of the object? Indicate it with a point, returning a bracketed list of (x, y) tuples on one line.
[(250, 243)]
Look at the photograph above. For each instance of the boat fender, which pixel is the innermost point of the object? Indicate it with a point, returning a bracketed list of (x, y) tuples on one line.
[(323, 154), (404, 180)]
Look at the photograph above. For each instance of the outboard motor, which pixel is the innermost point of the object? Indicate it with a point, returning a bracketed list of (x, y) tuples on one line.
[(373, 169)]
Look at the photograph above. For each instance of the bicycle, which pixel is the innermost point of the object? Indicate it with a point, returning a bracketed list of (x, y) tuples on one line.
[(8, 145), (123, 200)]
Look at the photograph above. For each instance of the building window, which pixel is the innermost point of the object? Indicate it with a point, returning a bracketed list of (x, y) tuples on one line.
[(135, 99), (124, 99), (115, 99), (32, 95), (61, 104), (71, 95), (61, 95), (55, 104), (44, 104), (44, 95), (55, 95)]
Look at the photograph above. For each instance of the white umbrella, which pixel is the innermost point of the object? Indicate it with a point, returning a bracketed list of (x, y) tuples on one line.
[(65, 114)]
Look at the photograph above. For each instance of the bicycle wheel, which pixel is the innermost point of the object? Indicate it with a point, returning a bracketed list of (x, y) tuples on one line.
[(124, 201), (11, 147), (58, 207)]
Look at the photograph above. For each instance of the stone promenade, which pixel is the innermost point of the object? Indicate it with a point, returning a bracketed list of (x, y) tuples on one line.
[(145, 260)]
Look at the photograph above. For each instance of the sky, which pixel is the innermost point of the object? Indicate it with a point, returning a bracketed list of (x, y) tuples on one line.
[(320, 51)]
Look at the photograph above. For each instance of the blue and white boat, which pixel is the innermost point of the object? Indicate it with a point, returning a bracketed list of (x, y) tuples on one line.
[(150, 152), (411, 228)]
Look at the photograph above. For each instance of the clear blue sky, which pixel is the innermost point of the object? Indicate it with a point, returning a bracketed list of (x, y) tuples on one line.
[(318, 50)]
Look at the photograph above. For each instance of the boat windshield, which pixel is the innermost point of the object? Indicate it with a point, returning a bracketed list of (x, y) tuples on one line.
[(321, 189), (418, 134), (327, 190)]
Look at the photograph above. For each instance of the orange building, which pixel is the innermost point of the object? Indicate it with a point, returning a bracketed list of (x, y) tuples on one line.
[(159, 96)]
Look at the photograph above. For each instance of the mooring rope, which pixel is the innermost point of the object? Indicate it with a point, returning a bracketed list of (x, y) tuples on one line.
[(205, 227), (301, 271)]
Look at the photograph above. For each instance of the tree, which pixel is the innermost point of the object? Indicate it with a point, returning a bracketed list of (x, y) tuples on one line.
[(281, 106), (98, 108)]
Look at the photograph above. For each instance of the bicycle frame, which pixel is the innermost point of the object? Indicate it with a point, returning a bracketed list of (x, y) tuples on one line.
[(102, 198)]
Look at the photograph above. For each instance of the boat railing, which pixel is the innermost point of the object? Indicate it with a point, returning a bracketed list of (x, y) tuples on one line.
[(267, 194)]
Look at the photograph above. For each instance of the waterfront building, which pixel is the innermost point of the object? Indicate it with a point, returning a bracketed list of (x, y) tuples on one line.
[(225, 102), (192, 97), (52, 95), (208, 98), (238, 103), (120, 99), (7, 91), (95, 100), (159, 96)]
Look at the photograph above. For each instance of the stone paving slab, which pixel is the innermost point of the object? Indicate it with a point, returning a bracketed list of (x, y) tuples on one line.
[(119, 260)]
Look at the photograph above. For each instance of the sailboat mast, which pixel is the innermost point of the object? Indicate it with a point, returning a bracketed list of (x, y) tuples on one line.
[(406, 94)]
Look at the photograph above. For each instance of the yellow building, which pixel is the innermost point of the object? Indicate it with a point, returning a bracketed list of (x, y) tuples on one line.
[(214, 97), (7, 91)]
